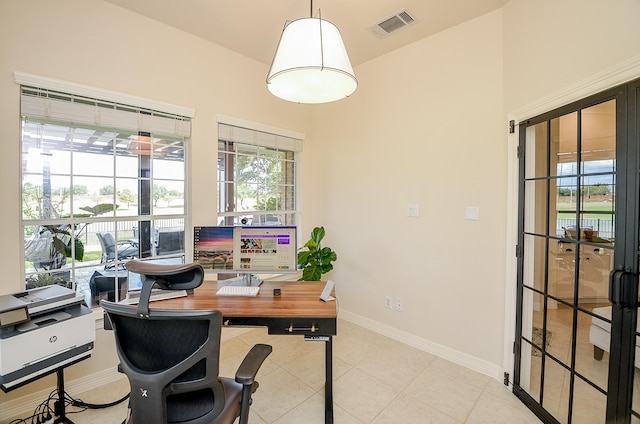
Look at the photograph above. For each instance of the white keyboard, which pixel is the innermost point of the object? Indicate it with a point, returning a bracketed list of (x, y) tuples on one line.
[(133, 297), (238, 291)]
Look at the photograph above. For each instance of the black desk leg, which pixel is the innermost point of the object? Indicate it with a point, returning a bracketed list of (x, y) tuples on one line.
[(328, 382), (59, 405)]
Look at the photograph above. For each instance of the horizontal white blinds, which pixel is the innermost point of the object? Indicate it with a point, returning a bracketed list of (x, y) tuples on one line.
[(258, 138), (57, 106)]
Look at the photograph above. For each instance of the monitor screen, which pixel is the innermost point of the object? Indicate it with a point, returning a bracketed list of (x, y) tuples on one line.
[(244, 249), (213, 247)]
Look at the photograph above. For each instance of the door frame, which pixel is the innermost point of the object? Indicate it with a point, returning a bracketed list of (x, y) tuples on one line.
[(609, 78)]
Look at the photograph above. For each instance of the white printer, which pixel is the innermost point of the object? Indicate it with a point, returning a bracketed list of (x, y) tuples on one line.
[(42, 330)]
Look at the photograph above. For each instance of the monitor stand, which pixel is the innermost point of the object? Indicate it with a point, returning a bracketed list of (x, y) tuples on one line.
[(245, 280)]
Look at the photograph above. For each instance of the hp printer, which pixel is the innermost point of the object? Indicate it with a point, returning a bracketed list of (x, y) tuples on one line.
[(41, 331)]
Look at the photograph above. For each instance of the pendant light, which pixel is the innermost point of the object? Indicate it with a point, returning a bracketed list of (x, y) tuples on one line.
[(311, 64)]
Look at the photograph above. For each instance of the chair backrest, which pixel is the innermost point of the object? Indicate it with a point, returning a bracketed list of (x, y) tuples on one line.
[(107, 285), (166, 276), (169, 276), (108, 244), (39, 247), (169, 357)]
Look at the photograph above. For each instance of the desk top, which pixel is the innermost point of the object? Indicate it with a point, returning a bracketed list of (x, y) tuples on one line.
[(298, 300)]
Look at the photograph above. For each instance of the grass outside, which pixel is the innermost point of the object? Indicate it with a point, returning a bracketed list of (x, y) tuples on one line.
[(88, 257), (600, 210)]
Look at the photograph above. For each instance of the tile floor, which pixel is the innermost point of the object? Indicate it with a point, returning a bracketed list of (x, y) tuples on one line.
[(376, 380)]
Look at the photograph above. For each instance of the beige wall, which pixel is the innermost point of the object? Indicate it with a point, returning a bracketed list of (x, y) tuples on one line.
[(550, 45), (427, 126)]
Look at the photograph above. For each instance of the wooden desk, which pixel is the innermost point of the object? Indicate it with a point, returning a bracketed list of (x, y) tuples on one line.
[(297, 311)]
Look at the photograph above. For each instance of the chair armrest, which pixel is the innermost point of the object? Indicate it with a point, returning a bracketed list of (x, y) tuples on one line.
[(251, 363), (125, 242)]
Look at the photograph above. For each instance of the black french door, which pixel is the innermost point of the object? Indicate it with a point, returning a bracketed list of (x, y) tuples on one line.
[(578, 250)]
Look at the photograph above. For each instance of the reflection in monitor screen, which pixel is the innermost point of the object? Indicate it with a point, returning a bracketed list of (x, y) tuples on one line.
[(245, 249)]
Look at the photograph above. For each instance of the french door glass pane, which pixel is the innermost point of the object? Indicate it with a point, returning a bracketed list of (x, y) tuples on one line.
[(566, 205), (557, 385), (532, 351), (564, 145), (591, 361), (562, 269), (590, 404), (598, 137), (596, 263), (559, 336), (536, 153), (536, 204), (534, 265)]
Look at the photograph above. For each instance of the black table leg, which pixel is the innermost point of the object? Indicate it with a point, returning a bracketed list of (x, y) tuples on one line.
[(328, 382), (59, 405)]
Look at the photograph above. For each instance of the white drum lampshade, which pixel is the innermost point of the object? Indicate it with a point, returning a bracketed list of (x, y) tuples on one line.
[(311, 64)]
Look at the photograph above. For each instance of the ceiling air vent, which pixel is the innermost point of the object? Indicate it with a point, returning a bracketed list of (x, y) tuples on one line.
[(392, 23)]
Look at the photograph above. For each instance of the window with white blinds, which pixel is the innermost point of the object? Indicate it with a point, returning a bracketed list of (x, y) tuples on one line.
[(102, 183), (256, 176)]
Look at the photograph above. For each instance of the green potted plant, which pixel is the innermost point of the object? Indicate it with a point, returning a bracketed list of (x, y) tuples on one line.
[(316, 260), (41, 280), (62, 241), (62, 233)]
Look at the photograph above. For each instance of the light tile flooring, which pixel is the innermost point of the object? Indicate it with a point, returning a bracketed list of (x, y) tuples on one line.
[(376, 380)]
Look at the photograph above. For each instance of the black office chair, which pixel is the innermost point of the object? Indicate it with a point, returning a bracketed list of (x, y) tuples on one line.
[(171, 357), (104, 286)]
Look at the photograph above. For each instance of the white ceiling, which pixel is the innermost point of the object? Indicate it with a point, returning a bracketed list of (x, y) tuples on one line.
[(253, 27)]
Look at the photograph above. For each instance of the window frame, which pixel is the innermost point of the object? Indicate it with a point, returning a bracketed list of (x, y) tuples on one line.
[(154, 113), (259, 137)]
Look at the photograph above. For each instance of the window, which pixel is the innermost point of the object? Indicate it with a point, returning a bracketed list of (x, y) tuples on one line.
[(102, 183), (256, 176)]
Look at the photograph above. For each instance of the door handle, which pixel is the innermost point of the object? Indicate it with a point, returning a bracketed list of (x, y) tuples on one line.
[(622, 289)]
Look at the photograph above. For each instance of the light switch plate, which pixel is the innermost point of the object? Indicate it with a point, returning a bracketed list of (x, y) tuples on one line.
[(413, 210), (472, 213)]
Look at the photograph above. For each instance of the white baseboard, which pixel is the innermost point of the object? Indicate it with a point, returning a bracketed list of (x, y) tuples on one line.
[(457, 357), (25, 405)]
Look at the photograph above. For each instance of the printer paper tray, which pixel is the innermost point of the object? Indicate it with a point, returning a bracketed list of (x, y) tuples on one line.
[(47, 366)]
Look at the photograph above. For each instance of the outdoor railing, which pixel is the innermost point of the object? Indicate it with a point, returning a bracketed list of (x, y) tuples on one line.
[(604, 228)]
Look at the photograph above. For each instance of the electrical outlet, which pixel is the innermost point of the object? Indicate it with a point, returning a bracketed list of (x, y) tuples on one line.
[(388, 302), (399, 305)]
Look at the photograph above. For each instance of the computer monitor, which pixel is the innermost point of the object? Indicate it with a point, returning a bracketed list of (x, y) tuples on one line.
[(246, 250)]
